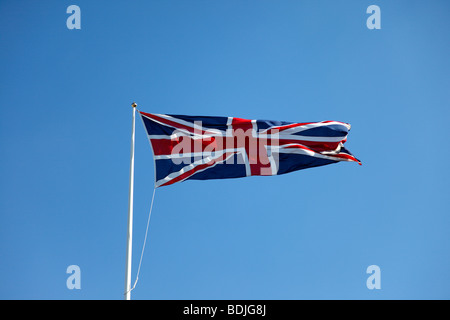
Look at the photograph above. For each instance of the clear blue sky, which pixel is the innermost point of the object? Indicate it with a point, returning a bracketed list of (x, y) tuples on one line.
[(65, 126)]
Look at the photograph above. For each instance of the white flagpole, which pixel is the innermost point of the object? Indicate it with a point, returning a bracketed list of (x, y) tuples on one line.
[(130, 212)]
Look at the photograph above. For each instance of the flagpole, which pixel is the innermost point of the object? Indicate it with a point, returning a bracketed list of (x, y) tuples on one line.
[(130, 212)]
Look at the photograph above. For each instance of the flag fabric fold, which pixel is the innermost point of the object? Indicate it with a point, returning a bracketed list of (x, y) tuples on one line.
[(203, 147)]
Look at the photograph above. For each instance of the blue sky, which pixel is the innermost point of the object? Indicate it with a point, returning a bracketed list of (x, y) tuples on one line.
[(65, 125)]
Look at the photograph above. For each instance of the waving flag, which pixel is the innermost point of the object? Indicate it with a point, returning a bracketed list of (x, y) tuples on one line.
[(201, 147)]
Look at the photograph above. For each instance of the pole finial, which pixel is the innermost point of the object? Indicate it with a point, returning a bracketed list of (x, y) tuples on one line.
[(134, 105)]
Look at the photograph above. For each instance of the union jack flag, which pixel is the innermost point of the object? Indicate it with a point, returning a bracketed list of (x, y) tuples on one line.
[(202, 147)]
